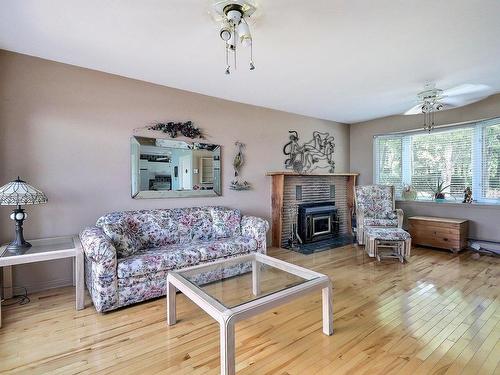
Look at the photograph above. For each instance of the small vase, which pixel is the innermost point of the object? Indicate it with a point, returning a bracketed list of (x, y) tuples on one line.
[(409, 195)]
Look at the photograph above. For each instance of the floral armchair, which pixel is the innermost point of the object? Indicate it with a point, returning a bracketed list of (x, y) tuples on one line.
[(375, 207)]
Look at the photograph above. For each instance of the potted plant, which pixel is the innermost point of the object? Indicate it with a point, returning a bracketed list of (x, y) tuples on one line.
[(438, 190)]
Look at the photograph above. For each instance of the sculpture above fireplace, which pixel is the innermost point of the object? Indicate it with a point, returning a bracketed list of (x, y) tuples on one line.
[(317, 221)]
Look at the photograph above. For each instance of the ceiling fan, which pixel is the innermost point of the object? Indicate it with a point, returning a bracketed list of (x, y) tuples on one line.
[(433, 99), (233, 18)]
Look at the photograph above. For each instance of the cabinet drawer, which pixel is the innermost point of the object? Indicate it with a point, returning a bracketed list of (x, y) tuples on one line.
[(435, 241)]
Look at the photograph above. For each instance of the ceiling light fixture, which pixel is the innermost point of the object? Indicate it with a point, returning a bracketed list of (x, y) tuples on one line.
[(431, 103), (233, 16)]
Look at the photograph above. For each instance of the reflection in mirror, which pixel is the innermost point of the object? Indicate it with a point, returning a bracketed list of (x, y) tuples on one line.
[(164, 168)]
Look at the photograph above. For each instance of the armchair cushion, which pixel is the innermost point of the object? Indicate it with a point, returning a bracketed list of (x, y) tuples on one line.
[(369, 222), (388, 234), (376, 201)]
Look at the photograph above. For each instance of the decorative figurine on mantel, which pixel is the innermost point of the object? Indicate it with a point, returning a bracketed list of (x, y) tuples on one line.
[(238, 162), (468, 195), (306, 158)]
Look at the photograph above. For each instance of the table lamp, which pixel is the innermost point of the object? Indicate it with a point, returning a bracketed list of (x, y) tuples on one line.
[(19, 193)]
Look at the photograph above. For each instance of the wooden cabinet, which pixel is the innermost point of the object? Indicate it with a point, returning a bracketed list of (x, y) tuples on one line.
[(440, 232)]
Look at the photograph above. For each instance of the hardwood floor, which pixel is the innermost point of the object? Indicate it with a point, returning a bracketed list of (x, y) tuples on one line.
[(439, 314)]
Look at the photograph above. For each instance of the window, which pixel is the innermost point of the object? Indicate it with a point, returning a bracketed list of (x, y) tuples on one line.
[(491, 162), (460, 156), (389, 161)]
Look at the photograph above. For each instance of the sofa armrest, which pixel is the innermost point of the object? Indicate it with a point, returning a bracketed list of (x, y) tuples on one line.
[(400, 214), (100, 268), (255, 227), (97, 246)]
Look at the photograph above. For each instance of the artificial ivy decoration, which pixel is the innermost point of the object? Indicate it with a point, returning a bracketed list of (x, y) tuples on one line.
[(187, 129)]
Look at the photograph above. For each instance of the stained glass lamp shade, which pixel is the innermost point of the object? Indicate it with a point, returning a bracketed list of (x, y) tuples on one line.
[(19, 193)]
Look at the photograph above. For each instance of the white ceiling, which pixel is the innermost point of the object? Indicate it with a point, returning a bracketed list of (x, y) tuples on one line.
[(346, 61)]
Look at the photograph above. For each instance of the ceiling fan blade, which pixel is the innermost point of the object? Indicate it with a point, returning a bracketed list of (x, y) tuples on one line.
[(416, 110), (460, 101), (467, 89)]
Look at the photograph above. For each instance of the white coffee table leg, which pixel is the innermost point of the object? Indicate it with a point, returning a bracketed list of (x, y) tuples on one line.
[(327, 310), (171, 313), (227, 350), (255, 278)]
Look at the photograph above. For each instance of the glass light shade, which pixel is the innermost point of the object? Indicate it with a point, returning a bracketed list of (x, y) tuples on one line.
[(246, 41), (19, 193), (244, 33), (225, 34)]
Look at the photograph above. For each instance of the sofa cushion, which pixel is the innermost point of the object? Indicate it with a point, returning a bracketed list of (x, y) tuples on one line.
[(159, 259), (182, 255), (226, 222), (212, 250), (195, 224), (125, 237), (158, 228)]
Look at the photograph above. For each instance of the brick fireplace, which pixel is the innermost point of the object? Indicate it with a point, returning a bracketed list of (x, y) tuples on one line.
[(292, 191)]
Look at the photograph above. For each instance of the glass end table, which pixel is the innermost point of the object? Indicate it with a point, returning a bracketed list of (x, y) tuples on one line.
[(42, 250)]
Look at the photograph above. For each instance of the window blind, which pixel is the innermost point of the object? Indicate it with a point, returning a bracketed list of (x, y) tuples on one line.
[(389, 151), (460, 156), (490, 181), (444, 156)]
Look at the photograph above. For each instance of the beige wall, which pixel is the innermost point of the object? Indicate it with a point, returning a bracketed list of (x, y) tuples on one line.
[(484, 220), (66, 130)]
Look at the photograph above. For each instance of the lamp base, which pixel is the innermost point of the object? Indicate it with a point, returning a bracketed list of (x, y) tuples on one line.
[(18, 248)]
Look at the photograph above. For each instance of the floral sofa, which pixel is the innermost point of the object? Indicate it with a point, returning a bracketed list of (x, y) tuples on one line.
[(128, 254), (375, 207)]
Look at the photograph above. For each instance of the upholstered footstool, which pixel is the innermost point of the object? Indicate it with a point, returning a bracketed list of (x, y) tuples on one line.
[(396, 240)]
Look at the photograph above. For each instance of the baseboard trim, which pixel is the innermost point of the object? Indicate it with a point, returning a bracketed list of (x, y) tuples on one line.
[(45, 285)]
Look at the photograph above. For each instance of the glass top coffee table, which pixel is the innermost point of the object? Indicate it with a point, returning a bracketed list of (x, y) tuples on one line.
[(233, 289)]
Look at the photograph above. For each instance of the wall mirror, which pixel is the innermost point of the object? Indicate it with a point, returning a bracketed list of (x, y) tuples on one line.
[(165, 168)]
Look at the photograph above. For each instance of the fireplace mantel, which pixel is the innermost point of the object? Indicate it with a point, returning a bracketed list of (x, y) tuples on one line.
[(290, 173), (279, 179)]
